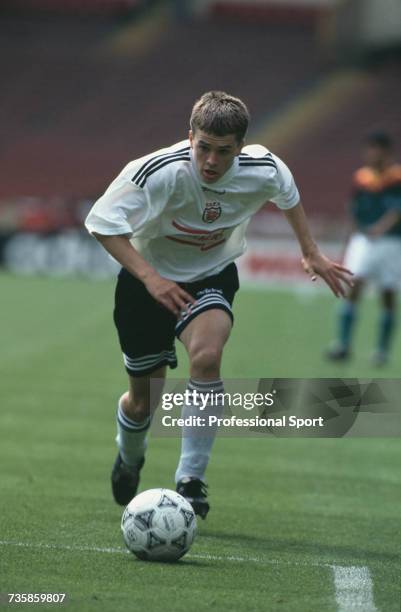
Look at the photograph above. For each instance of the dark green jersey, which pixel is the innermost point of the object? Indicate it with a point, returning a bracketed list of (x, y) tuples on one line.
[(374, 194)]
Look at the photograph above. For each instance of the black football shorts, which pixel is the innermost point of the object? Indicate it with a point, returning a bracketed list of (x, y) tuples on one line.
[(147, 330)]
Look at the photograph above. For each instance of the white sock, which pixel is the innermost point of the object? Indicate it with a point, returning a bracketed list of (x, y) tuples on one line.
[(196, 443), (131, 437)]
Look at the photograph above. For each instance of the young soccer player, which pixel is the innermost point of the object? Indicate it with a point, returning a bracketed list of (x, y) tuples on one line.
[(175, 220), (374, 250)]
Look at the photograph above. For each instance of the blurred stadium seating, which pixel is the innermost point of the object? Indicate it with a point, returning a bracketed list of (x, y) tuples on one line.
[(80, 7), (74, 113), (331, 147), (82, 94)]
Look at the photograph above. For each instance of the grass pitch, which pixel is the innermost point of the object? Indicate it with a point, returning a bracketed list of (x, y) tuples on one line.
[(285, 512)]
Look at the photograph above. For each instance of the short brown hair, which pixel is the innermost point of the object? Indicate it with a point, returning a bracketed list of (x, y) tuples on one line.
[(216, 112)]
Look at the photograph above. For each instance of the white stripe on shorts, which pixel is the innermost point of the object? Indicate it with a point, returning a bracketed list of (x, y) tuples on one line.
[(204, 301), (148, 361)]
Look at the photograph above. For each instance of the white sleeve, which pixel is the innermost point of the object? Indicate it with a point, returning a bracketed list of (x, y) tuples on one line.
[(123, 209), (287, 194)]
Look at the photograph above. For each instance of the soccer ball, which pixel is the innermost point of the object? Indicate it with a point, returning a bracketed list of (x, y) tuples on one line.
[(158, 525)]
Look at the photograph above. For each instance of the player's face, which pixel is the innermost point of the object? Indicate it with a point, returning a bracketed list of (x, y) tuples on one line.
[(213, 154)]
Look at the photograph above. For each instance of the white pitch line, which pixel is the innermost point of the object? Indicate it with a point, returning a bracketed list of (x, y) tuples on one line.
[(62, 547), (233, 558), (124, 551), (354, 589), (353, 585)]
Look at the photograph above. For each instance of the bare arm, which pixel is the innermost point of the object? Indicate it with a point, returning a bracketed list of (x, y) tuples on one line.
[(314, 262), (165, 291)]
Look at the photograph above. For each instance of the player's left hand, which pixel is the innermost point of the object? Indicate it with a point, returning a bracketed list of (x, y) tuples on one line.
[(334, 274)]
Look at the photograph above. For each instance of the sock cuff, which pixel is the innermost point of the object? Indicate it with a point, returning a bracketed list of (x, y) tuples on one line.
[(204, 386), (208, 391), (129, 424)]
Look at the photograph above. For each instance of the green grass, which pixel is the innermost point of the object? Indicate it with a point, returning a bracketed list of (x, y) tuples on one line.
[(293, 506)]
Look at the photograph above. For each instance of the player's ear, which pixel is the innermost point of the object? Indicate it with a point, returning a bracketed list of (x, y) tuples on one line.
[(191, 137), (240, 146)]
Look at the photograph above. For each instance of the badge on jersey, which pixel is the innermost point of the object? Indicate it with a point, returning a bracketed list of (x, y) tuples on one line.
[(212, 212)]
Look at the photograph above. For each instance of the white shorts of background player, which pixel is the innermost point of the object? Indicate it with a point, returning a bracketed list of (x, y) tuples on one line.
[(375, 259)]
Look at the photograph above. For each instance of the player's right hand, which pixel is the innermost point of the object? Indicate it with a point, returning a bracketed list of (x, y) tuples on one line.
[(334, 274), (169, 294)]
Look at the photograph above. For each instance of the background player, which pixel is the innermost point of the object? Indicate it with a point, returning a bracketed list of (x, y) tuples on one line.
[(374, 250), (186, 208)]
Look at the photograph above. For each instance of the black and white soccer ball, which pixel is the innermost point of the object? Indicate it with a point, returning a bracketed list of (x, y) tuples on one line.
[(158, 525)]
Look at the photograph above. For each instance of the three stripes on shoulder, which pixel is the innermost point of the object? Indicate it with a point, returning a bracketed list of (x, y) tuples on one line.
[(266, 160), (159, 161)]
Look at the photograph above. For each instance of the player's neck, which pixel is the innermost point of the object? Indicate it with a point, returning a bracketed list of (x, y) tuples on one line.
[(381, 167)]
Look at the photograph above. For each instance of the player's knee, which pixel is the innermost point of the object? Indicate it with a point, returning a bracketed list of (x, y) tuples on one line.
[(205, 359)]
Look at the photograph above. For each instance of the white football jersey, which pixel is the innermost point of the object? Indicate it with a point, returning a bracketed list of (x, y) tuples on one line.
[(185, 228)]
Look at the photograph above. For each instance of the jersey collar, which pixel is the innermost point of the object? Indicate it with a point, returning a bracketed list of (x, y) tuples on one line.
[(226, 178)]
